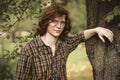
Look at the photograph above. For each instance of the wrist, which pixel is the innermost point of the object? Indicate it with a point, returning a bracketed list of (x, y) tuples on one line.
[(96, 29)]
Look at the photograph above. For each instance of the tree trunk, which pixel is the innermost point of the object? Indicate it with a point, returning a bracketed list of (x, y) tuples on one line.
[(104, 58)]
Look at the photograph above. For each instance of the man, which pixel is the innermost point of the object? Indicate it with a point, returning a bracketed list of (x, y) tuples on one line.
[(45, 56)]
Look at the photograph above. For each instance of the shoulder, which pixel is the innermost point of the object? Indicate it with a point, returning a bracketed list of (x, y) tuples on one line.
[(75, 37), (29, 47)]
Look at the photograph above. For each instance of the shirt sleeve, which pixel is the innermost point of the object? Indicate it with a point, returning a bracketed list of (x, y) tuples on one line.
[(23, 70), (72, 41)]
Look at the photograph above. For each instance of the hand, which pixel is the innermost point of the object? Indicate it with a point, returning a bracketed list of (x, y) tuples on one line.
[(104, 32)]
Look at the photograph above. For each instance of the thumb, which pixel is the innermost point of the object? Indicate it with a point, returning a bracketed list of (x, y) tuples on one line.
[(101, 37)]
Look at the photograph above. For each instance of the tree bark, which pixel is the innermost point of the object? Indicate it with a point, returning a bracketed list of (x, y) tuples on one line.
[(104, 57)]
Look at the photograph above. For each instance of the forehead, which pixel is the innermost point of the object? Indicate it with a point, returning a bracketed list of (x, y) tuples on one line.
[(60, 17)]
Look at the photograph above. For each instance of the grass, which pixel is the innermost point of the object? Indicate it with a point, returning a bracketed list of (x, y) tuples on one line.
[(78, 66)]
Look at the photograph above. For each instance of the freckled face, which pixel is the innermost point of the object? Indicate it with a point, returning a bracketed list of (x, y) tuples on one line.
[(56, 26)]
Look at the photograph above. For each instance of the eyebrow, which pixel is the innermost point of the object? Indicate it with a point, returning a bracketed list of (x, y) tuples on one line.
[(57, 20), (62, 21)]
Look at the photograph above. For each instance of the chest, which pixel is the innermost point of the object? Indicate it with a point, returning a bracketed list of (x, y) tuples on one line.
[(51, 56), (45, 62)]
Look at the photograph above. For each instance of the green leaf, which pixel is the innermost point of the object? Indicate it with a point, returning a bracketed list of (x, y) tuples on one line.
[(5, 55), (8, 36), (109, 17), (7, 51), (116, 10), (112, 14), (18, 37)]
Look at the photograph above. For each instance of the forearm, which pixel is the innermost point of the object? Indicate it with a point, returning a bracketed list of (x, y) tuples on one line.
[(89, 33), (100, 32)]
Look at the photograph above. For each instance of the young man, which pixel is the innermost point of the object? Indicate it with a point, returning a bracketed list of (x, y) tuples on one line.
[(45, 56)]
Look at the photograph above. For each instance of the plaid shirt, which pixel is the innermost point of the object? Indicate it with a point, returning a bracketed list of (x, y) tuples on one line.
[(36, 62)]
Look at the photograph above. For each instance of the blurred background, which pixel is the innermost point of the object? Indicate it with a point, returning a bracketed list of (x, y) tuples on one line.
[(18, 21)]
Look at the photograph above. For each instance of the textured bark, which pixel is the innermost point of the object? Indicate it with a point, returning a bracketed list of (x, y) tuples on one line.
[(104, 58)]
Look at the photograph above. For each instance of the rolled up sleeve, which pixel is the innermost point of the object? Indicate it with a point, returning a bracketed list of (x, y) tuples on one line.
[(72, 41)]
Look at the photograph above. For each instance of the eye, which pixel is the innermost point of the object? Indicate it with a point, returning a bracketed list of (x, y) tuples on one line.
[(62, 22), (54, 21)]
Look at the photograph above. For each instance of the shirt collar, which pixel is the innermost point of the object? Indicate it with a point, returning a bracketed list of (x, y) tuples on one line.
[(41, 42)]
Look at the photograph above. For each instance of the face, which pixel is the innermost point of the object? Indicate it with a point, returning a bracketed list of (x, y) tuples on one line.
[(56, 26)]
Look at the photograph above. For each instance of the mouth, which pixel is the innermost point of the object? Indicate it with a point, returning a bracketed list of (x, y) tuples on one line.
[(58, 31)]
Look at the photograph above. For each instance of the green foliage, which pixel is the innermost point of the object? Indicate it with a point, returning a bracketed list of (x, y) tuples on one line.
[(77, 12), (113, 13), (18, 10), (16, 14), (8, 55), (5, 70)]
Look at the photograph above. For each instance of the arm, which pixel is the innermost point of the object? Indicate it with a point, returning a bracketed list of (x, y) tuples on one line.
[(23, 66), (101, 33), (72, 41)]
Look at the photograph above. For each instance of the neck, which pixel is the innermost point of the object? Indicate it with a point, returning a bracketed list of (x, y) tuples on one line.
[(49, 40)]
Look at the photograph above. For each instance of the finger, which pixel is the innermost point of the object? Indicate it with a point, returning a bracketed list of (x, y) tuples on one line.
[(101, 37), (109, 36), (110, 39), (110, 32)]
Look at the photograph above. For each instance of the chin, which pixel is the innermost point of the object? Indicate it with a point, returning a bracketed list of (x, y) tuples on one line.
[(56, 36)]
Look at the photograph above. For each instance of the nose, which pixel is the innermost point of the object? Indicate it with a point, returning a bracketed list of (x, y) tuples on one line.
[(58, 25)]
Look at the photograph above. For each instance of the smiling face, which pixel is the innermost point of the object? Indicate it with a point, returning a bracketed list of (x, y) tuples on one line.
[(56, 26)]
